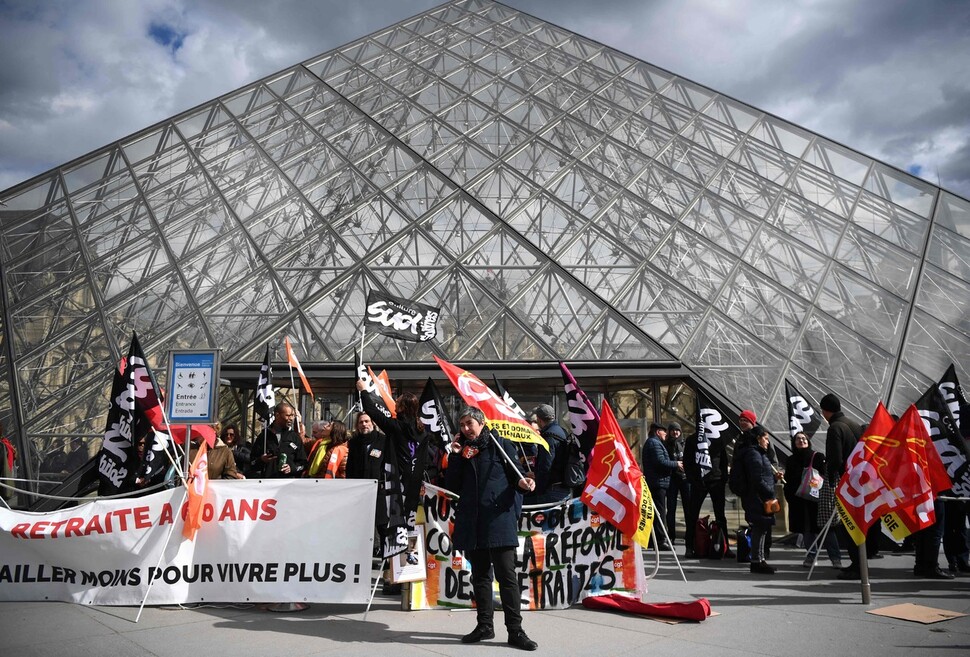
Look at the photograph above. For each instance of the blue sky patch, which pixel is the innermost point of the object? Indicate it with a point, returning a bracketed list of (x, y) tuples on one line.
[(166, 35), (914, 169)]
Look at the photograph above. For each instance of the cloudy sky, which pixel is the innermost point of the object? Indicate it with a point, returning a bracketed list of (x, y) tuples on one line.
[(886, 77)]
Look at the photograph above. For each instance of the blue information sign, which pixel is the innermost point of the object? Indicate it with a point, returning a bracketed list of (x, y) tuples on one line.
[(193, 386)]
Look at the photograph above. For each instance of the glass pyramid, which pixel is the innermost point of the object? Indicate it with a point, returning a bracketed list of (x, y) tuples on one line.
[(558, 198)]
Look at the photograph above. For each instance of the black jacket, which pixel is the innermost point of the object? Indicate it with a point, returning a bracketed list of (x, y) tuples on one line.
[(840, 440), (759, 483), (489, 503)]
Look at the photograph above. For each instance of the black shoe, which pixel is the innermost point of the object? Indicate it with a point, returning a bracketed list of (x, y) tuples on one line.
[(877, 555), (690, 554), (960, 567), (521, 640), (934, 573), (663, 547), (730, 554), (480, 633), (762, 568), (850, 573)]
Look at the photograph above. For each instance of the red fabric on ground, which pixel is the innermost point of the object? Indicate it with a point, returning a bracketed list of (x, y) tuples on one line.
[(697, 610)]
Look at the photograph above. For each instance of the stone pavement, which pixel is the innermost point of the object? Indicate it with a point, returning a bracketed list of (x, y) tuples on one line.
[(757, 615)]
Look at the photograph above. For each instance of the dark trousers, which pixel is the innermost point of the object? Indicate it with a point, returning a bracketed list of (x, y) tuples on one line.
[(955, 545), (698, 492), (501, 561), (872, 543), (927, 542), (659, 495), (677, 486)]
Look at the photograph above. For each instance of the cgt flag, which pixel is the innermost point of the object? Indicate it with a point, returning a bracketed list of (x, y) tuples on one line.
[(401, 319), (500, 417), (802, 415), (615, 487), (265, 397)]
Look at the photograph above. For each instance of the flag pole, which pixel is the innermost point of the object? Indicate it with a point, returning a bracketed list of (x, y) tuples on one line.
[(864, 574), (501, 451), (820, 541), (151, 581)]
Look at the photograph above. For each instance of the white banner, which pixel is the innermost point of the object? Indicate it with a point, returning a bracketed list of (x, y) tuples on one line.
[(280, 540), (566, 553)]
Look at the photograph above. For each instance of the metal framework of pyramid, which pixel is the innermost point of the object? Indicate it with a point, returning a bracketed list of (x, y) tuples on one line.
[(558, 198)]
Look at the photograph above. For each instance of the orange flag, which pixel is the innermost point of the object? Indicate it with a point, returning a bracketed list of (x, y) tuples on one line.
[(383, 384), (615, 488), (295, 364), (197, 484)]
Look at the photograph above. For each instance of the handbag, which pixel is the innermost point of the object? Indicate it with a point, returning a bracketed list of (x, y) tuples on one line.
[(811, 483), (772, 506), (826, 504)]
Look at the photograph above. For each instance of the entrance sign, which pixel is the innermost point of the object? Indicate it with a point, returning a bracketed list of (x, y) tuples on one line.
[(193, 386)]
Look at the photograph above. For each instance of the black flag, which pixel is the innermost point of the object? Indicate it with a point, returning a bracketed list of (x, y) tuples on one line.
[(118, 460), (956, 399), (716, 429), (507, 398), (946, 438), (802, 415), (401, 319), (265, 397), (433, 415)]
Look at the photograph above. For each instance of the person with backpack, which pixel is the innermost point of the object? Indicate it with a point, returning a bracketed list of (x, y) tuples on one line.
[(753, 479), (550, 465)]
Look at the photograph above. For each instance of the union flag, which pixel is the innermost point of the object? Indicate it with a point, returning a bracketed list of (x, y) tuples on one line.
[(615, 487)]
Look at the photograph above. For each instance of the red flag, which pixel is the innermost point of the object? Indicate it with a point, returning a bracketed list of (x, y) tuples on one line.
[(500, 417), (383, 385), (917, 512), (882, 475), (197, 484), (615, 488), (295, 364)]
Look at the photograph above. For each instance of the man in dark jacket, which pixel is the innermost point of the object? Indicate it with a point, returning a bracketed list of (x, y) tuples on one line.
[(840, 439), (279, 452), (678, 479), (550, 464), (487, 522), (657, 468)]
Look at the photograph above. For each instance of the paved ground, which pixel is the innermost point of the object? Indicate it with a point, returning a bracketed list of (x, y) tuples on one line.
[(757, 615)]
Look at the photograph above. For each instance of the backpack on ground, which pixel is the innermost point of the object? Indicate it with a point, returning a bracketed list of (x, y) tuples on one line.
[(743, 549), (718, 540), (703, 545)]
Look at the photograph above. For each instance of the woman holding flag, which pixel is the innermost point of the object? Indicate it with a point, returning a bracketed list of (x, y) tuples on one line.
[(486, 522)]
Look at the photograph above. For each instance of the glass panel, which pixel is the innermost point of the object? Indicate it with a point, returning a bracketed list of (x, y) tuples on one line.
[(762, 307), (890, 222), (721, 223), (726, 357), (838, 160), (954, 213), (932, 346), (854, 369), (888, 266), (795, 267), (807, 223), (863, 307), (913, 194), (945, 298), (695, 262), (663, 309), (634, 223)]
